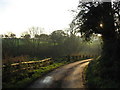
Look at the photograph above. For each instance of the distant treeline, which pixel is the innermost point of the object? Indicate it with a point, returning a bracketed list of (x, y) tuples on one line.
[(58, 43)]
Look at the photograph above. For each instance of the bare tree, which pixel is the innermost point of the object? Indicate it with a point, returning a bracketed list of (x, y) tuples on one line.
[(33, 31)]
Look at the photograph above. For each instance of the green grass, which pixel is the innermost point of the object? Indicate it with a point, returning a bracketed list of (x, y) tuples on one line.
[(30, 76)]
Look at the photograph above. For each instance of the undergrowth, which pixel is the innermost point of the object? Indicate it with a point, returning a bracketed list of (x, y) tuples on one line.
[(94, 73)]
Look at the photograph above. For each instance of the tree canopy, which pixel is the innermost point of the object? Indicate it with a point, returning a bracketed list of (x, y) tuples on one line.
[(98, 18), (102, 18)]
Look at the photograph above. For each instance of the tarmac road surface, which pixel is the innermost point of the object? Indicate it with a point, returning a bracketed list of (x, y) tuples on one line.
[(67, 76)]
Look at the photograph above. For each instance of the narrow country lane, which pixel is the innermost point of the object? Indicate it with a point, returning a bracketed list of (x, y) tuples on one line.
[(68, 76)]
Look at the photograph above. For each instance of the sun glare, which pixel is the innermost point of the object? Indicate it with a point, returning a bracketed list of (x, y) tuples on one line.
[(101, 25)]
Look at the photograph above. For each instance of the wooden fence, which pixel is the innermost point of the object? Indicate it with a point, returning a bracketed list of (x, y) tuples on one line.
[(27, 65), (78, 57), (23, 69), (31, 65)]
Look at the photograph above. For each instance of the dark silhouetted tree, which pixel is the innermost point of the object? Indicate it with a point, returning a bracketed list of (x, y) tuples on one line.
[(101, 18)]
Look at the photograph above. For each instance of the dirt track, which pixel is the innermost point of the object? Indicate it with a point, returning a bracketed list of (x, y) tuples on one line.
[(68, 76)]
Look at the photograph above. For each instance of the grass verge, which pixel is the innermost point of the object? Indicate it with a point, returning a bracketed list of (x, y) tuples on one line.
[(31, 76)]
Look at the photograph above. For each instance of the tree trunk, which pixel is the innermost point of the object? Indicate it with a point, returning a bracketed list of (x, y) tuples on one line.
[(109, 42)]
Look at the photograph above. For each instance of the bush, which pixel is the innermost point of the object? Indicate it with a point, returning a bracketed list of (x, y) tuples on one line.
[(94, 76)]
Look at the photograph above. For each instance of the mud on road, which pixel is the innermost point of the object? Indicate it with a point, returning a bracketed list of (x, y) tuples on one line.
[(68, 76)]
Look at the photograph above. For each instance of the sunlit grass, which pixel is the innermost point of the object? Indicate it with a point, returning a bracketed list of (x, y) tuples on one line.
[(24, 79)]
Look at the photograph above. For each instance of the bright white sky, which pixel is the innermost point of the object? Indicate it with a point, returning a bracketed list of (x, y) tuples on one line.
[(18, 15)]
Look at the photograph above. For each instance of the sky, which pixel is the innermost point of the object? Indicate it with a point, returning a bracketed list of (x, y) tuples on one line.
[(18, 15)]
